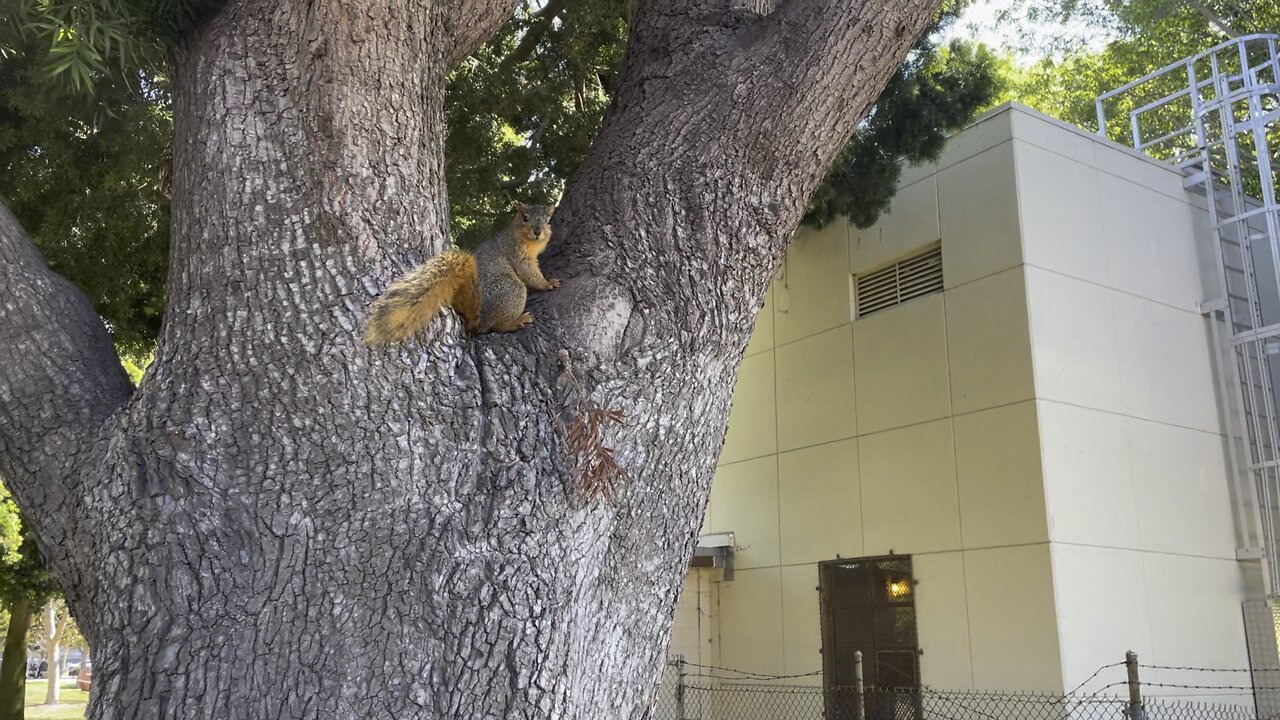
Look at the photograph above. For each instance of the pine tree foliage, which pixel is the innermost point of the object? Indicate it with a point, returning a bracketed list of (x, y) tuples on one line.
[(936, 92)]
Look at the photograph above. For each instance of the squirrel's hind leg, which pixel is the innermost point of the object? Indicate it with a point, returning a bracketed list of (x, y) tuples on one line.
[(521, 322), (502, 304)]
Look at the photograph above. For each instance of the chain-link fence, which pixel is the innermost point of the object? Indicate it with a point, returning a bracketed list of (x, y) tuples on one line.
[(701, 693)]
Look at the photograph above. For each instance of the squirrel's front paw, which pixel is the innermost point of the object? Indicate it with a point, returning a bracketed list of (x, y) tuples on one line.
[(553, 284), (525, 320)]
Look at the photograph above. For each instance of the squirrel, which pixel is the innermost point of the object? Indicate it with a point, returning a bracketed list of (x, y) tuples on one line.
[(487, 288)]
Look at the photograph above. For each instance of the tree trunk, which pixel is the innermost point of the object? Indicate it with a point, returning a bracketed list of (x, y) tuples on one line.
[(289, 524), (55, 623), (13, 669)]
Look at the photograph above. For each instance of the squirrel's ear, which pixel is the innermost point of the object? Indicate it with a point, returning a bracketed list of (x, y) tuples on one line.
[(551, 210), (519, 207)]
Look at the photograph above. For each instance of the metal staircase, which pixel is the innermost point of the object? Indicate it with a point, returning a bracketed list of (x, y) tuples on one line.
[(1216, 116)]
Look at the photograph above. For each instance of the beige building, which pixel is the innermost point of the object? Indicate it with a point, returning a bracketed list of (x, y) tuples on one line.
[(1029, 422)]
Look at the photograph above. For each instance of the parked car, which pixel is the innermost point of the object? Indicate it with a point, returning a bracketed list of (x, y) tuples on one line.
[(84, 677)]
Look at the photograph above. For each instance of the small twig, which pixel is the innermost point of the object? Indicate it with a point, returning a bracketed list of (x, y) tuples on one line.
[(595, 465)]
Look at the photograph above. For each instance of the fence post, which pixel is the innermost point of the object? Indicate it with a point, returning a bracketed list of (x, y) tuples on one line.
[(859, 706), (1136, 710), (680, 687)]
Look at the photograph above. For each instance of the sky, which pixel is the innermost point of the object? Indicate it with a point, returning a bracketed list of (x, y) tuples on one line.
[(979, 22)]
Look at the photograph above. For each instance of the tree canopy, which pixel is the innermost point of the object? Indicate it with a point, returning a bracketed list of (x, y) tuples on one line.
[(10, 529), (936, 92), (22, 570), (1148, 34), (85, 172)]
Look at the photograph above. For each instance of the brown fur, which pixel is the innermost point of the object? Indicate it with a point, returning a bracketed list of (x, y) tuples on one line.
[(531, 245), (522, 230), (413, 300), (488, 288)]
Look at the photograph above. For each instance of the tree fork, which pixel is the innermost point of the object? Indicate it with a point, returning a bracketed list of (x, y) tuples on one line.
[(286, 523)]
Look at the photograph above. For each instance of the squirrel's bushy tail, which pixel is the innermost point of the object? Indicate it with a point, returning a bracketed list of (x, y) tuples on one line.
[(410, 302)]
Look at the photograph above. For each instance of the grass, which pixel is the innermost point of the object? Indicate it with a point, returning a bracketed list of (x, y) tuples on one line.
[(72, 705)]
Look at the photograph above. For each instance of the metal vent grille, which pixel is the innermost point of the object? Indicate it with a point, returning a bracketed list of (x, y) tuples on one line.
[(910, 278)]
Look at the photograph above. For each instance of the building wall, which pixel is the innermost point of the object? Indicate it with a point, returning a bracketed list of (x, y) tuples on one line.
[(1041, 437), (697, 617), (1118, 257)]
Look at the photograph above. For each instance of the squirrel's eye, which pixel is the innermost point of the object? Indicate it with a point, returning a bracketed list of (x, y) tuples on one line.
[(524, 218)]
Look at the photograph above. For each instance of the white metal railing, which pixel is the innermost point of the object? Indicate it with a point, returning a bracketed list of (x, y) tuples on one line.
[(1256, 53), (1216, 116)]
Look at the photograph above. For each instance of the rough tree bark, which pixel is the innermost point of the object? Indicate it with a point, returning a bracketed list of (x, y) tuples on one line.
[(285, 523), (13, 668)]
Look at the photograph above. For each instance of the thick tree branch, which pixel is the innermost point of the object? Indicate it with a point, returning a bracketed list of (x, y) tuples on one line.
[(821, 61), (822, 34), (683, 252), (61, 380), (471, 22), (723, 126), (538, 27)]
